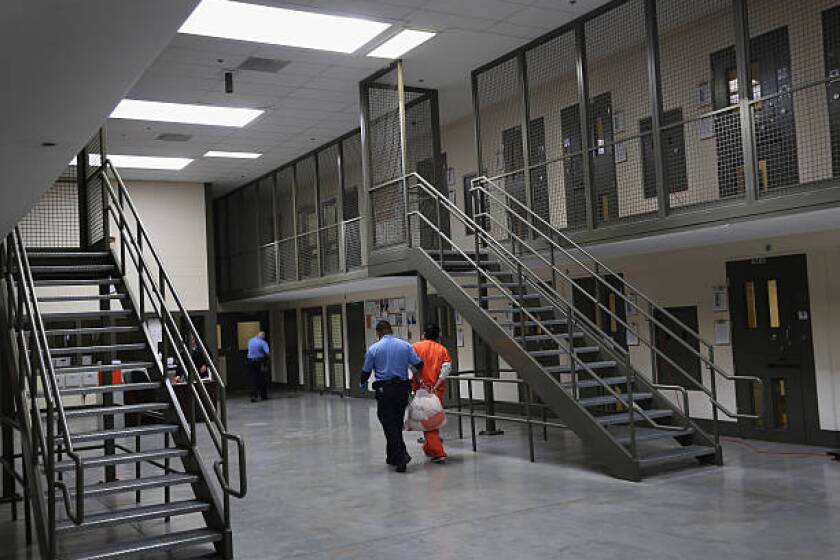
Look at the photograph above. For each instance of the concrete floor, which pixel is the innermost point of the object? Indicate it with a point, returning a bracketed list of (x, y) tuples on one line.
[(319, 489)]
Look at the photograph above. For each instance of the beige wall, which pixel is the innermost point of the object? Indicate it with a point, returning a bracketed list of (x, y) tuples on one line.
[(174, 215)]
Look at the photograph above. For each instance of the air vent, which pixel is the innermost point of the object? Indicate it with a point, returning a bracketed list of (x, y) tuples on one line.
[(173, 137), (269, 65)]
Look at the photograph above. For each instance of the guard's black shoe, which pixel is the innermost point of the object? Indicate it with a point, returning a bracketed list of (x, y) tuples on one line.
[(402, 466)]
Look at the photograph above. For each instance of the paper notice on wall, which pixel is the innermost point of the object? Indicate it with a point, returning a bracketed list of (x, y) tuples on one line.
[(155, 331), (722, 331)]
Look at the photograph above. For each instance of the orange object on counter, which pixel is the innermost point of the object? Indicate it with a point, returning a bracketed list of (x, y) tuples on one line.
[(116, 377)]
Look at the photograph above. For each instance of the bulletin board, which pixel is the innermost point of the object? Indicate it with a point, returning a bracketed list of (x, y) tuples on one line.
[(401, 312)]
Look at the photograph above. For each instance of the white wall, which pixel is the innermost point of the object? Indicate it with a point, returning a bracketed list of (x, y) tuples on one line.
[(174, 215)]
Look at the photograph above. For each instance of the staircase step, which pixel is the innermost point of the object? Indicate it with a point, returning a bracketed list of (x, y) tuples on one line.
[(37, 255), (555, 353), (106, 297), (82, 315), (529, 323), (122, 458), (605, 364), (643, 435), (133, 515), (118, 388), (549, 338), (134, 484), (490, 286), (610, 399), (624, 417), (77, 282), (507, 297), (97, 349), (124, 433), (93, 330), (125, 366), (72, 268), (146, 546), (675, 455), (589, 383), (116, 409)]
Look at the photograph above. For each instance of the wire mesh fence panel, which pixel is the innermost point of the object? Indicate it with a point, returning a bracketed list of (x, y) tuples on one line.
[(351, 169), (265, 209), (329, 183), (222, 250), (268, 264), (388, 214), (383, 107), (287, 269), (284, 210), (306, 199), (309, 262), (701, 129), (54, 221), (793, 50), (330, 254), (552, 86), (353, 244), (499, 113), (420, 142), (617, 70), (94, 205)]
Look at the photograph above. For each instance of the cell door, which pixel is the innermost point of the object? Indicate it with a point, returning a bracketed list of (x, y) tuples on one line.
[(335, 339), (831, 48), (601, 156), (773, 119), (290, 347), (771, 338), (313, 350)]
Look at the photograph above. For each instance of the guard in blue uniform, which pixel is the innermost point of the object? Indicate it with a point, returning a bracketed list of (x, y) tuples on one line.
[(257, 361), (390, 359)]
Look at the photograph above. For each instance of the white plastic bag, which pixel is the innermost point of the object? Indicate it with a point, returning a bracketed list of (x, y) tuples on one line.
[(425, 412)]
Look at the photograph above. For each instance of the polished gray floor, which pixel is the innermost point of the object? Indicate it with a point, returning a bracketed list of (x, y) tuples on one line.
[(319, 489)]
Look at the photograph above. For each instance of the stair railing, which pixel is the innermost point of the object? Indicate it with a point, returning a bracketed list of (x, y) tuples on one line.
[(525, 275), (137, 250), (483, 187), (39, 383)]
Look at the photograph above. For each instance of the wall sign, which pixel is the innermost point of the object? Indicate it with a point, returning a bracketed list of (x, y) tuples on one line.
[(720, 298)]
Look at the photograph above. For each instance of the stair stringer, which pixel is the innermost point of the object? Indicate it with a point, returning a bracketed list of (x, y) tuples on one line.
[(615, 456)]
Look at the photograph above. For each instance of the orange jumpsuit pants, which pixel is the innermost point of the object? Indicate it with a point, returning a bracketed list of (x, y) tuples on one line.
[(433, 355)]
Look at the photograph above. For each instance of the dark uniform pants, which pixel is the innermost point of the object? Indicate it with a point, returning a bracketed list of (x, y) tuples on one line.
[(391, 400), (259, 387)]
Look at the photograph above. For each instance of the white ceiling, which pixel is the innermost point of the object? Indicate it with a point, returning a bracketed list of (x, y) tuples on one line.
[(65, 65), (315, 97)]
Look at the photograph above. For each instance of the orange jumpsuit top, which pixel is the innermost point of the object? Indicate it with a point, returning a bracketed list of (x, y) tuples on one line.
[(433, 355)]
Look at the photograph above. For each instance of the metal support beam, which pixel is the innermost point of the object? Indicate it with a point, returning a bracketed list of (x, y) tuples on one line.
[(525, 111), (655, 91), (477, 124), (366, 229), (585, 132), (743, 58), (403, 147)]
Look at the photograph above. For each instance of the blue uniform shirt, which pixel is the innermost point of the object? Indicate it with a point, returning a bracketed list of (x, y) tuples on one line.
[(257, 348), (389, 359)]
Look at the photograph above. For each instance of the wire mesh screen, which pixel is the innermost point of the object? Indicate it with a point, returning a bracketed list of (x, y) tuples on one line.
[(222, 250), (552, 86), (268, 250), (328, 191), (287, 260), (388, 215), (353, 244), (617, 63), (54, 221), (351, 168), (309, 262), (330, 257), (384, 126), (268, 264), (306, 195), (95, 196), (284, 202), (499, 113), (794, 49)]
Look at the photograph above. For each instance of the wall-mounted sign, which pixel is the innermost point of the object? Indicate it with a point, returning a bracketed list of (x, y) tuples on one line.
[(722, 331), (720, 298)]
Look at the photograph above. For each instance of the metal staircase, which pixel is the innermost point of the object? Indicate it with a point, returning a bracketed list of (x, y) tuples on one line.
[(576, 365), (118, 460)]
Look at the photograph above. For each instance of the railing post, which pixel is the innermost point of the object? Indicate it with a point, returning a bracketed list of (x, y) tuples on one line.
[(745, 95), (472, 417), (142, 298), (49, 465), (713, 383), (121, 227), (570, 332), (528, 421), (630, 374), (654, 370)]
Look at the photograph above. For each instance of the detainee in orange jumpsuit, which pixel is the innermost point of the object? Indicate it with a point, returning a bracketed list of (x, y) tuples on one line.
[(436, 366)]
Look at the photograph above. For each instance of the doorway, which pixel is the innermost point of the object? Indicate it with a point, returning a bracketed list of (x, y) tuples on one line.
[(771, 338), (356, 346), (831, 48), (335, 339), (443, 315), (236, 329), (314, 356), (610, 323), (290, 348), (604, 187), (774, 123)]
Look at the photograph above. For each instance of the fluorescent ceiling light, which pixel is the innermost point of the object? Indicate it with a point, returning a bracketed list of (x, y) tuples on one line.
[(184, 113), (234, 155), (141, 162), (280, 26), (401, 43)]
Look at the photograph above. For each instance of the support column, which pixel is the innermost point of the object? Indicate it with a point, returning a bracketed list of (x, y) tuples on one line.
[(585, 132), (655, 92), (742, 56)]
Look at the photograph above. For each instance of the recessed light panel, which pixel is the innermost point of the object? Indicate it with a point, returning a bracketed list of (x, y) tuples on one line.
[(401, 43), (184, 113), (234, 155), (140, 162), (280, 26)]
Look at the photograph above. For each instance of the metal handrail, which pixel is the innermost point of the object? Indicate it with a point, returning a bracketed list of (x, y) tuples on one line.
[(627, 325), (478, 185), (28, 304), (573, 357), (139, 246), (338, 226), (538, 284)]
